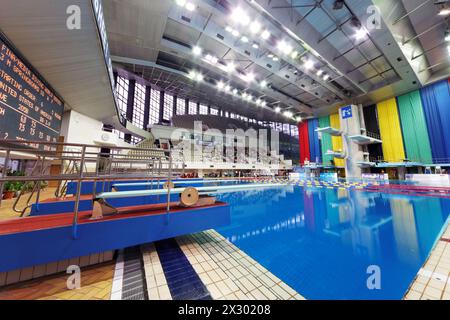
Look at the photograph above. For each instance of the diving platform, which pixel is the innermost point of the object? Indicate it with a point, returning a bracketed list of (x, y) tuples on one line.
[(330, 130), (337, 154), (366, 164), (406, 164), (364, 139), (162, 184)]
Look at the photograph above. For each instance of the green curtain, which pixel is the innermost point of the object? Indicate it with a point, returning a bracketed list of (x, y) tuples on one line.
[(414, 127), (326, 140)]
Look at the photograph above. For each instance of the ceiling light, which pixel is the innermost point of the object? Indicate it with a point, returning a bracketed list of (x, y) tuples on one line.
[(444, 12), (211, 59), (181, 3), (192, 74), (265, 34), (235, 91), (240, 16), (190, 6), (244, 39), (263, 104), (196, 50), (235, 33), (277, 109), (230, 67), (299, 119), (284, 47), (227, 88), (220, 85), (294, 54), (326, 77), (199, 77), (258, 102), (275, 59), (361, 33), (244, 95), (309, 64), (228, 29), (249, 77), (319, 72), (249, 97), (447, 35), (288, 114), (255, 27), (270, 55), (263, 83), (255, 45)]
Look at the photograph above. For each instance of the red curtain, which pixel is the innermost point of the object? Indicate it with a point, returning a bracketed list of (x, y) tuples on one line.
[(303, 140)]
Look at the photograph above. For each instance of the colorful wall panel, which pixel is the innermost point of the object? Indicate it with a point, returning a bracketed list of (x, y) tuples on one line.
[(414, 128), (436, 106), (390, 131), (314, 142), (336, 141), (303, 137), (325, 141)]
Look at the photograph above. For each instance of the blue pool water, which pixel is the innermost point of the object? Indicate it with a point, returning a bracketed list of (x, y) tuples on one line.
[(321, 241)]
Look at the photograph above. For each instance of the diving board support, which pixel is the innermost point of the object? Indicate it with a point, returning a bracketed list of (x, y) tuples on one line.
[(102, 208)]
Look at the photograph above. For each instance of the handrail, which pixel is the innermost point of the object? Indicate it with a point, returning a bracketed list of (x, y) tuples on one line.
[(86, 163)]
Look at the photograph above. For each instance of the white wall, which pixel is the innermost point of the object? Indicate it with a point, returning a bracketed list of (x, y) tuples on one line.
[(78, 128)]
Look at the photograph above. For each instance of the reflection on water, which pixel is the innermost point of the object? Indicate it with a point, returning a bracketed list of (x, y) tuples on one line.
[(321, 241)]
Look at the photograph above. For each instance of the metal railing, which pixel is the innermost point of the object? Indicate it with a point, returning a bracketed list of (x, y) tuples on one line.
[(99, 164)]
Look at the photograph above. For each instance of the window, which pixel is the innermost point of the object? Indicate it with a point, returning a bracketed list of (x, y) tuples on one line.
[(154, 106), (279, 126), (181, 106), (286, 128), (214, 111), (227, 115), (232, 115), (122, 94), (139, 106), (294, 131), (192, 107), (272, 125), (203, 109), (168, 106), (119, 133), (135, 140)]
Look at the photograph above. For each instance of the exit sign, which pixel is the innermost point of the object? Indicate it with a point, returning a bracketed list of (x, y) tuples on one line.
[(346, 112)]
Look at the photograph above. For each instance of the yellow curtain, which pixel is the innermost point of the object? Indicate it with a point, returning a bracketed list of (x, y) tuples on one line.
[(390, 131), (335, 122)]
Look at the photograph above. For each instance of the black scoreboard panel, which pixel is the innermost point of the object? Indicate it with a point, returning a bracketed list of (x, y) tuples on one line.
[(29, 109)]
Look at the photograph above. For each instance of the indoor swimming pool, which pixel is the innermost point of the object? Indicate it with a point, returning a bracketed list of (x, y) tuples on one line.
[(321, 241)]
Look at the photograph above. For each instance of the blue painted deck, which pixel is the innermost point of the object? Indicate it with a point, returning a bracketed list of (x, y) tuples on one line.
[(41, 246)]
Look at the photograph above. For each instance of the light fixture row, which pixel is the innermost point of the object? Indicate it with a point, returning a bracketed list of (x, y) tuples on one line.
[(186, 4)]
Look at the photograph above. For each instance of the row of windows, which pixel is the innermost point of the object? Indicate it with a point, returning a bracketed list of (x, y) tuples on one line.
[(122, 88)]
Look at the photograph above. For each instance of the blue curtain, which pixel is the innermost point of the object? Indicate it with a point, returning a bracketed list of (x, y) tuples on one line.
[(314, 143), (436, 105)]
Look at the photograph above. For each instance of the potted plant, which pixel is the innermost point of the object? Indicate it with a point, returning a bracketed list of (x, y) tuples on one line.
[(9, 190)]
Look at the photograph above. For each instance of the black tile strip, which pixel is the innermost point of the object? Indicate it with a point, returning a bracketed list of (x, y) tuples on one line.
[(184, 283), (133, 283)]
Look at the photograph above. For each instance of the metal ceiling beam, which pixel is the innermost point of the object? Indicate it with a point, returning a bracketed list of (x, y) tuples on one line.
[(212, 30), (307, 34)]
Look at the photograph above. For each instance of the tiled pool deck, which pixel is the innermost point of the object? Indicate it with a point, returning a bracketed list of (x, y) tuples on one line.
[(433, 279), (227, 272)]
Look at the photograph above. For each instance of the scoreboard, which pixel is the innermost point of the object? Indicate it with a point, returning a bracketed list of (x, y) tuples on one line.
[(29, 108)]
